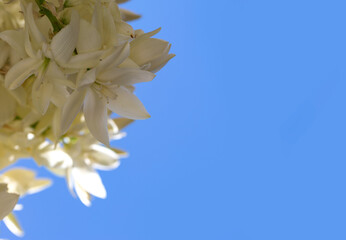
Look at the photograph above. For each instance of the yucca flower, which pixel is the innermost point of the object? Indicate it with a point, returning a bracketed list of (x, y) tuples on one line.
[(66, 68)]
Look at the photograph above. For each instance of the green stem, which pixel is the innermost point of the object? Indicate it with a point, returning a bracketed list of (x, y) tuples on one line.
[(57, 26)]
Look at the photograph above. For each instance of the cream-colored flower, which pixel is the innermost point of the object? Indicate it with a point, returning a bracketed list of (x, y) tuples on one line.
[(62, 76), (150, 53), (105, 87)]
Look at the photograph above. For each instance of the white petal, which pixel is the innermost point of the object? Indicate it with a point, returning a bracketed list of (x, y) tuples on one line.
[(89, 38), (128, 105), (103, 158), (126, 76), (95, 112), (13, 225), (127, 15), (34, 30), (71, 108), (38, 185), (109, 29), (41, 96), (89, 180), (83, 195), (160, 63), (15, 39), (84, 60), (88, 78), (144, 50), (7, 201), (64, 43), (56, 158), (118, 55), (20, 72), (97, 19)]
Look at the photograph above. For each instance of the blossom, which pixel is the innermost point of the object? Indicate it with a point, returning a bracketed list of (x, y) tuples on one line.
[(150, 53), (66, 67)]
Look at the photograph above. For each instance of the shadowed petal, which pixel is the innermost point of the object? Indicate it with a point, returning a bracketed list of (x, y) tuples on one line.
[(95, 112), (128, 105)]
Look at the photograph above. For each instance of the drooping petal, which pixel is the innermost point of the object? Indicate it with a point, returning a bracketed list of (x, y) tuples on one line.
[(64, 43), (95, 112), (126, 76), (13, 225), (36, 34), (89, 180), (41, 96), (109, 32), (83, 195), (128, 105), (20, 72), (103, 158), (71, 108)]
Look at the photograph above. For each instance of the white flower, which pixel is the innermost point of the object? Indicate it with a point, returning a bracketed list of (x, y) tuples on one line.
[(105, 87), (62, 76), (150, 53)]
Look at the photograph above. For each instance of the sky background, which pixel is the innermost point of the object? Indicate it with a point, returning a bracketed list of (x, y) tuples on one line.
[(247, 136)]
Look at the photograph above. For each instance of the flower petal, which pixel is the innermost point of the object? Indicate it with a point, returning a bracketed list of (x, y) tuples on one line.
[(85, 60), (89, 38), (13, 225), (95, 112), (128, 105), (15, 39), (36, 35), (41, 96), (118, 55), (103, 158), (64, 43), (126, 76), (71, 108), (89, 180), (20, 72)]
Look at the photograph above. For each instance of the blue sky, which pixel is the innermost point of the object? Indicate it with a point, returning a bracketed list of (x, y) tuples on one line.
[(247, 135)]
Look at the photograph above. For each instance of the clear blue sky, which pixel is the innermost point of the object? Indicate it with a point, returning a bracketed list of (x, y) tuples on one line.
[(247, 135)]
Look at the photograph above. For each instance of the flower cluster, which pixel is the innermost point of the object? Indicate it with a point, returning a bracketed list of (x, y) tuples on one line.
[(66, 68)]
